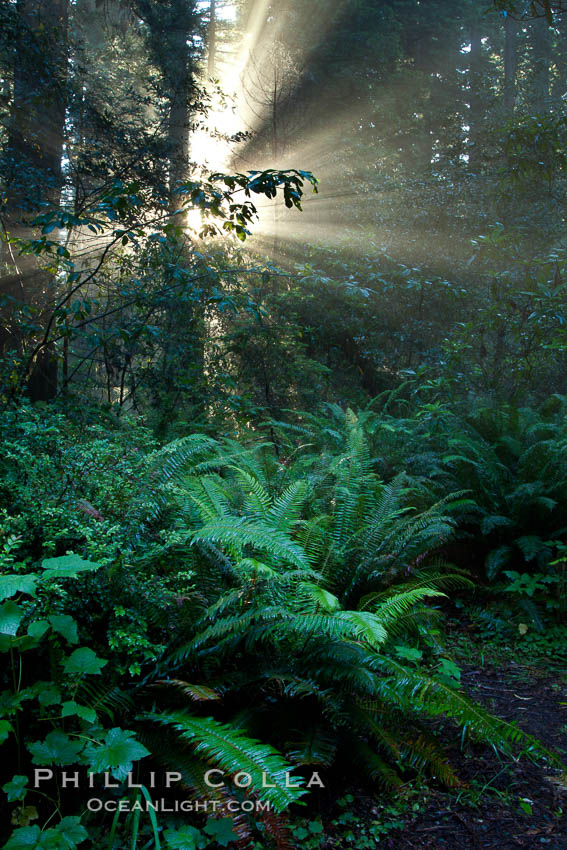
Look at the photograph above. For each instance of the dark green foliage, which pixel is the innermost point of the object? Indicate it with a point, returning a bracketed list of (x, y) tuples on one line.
[(514, 463), (309, 584), (241, 489), (267, 616), (65, 484)]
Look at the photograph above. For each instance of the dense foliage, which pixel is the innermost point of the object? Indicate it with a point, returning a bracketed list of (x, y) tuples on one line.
[(258, 447)]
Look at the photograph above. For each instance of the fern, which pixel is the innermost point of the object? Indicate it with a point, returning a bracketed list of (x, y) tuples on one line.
[(286, 509), (234, 753), (257, 535), (312, 746), (309, 572), (433, 697)]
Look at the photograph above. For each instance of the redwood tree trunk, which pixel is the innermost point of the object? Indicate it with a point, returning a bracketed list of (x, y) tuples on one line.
[(541, 61), (510, 64), (475, 100), (35, 148), (212, 57), (179, 79)]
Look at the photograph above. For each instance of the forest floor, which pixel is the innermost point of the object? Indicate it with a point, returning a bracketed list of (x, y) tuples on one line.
[(503, 804), (496, 819)]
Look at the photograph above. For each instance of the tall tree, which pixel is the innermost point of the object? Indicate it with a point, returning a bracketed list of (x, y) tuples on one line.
[(33, 157), (476, 101), (212, 39), (510, 63), (541, 45), (172, 27)]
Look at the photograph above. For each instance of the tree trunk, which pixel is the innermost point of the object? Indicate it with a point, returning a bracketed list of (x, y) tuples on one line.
[(475, 100), (180, 76), (510, 64), (35, 147), (38, 107), (179, 79), (559, 89), (212, 57), (541, 61)]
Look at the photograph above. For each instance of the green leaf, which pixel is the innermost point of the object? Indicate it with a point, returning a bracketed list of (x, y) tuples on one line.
[(65, 626), (24, 815), (260, 535), (83, 660), (221, 831), (71, 832), (496, 560), (67, 566), (26, 642), (57, 748), (16, 789), (116, 753), (38, 628), (449, 672), (25, 838), (531, 546), (11, 703), (12, 584), (408, 653), (5, 729), (70, 709), (50, 696), (186, 838), (489, 523), (65, 836), (365, 626), (11, 615), (300, 833)]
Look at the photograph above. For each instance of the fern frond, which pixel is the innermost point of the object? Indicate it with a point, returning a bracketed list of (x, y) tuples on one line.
[(256, 501), (209, 494), (433, 697), (425, 753), (174, 459), (276, 827), (234, 752), (286, 509), (234, 628), (101, 698), (196, 693), (399, 604), (258, 535), (373, 765), (313, 746)]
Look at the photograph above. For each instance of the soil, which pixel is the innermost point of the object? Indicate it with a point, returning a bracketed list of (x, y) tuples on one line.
[(534, 700)]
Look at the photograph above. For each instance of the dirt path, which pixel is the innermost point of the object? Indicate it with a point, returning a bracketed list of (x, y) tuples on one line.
[(498, 821)]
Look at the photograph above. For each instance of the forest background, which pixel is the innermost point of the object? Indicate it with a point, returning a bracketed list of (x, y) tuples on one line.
[(283, 344)]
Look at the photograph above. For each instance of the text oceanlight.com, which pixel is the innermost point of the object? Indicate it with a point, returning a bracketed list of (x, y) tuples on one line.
[(96, 804)]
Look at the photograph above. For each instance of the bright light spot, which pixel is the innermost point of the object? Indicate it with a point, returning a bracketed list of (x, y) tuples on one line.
[(210, 144), (194, 220), (223, 12)]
